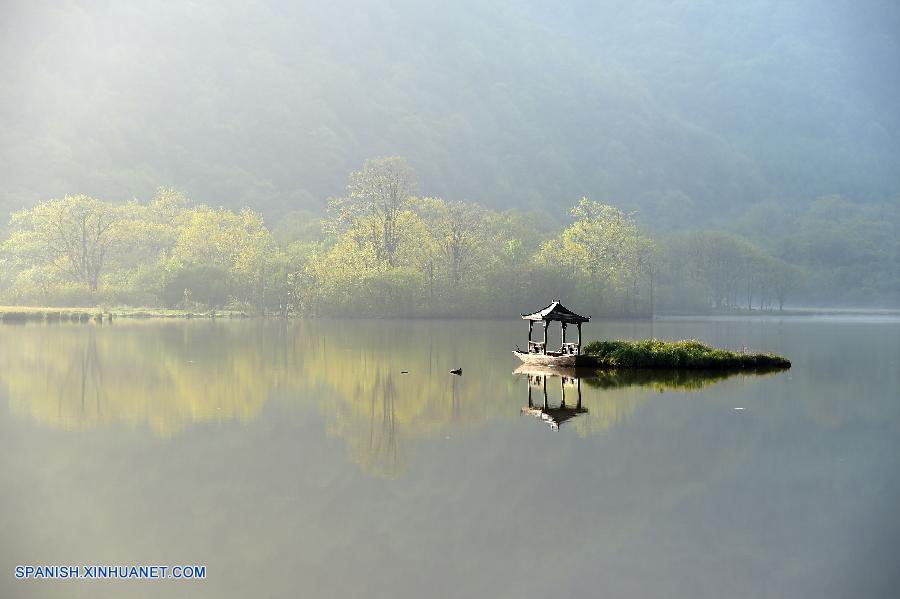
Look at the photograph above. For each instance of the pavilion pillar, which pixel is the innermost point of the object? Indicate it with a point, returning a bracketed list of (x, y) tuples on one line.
[(563, 327), (530, 326), (579, 338), (546, 324)]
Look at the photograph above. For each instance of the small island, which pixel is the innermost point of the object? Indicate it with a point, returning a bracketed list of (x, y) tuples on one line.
[(649, 353), (688, 354)]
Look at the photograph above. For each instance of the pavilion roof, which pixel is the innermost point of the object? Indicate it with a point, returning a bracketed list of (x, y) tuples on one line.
[(556, 312)]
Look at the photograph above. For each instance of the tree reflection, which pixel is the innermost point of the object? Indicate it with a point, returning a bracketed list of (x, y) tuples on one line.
[(382, 455), (381, 394), (80, 377)]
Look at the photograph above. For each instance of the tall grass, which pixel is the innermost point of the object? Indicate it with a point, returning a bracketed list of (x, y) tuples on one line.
[(689, 354)]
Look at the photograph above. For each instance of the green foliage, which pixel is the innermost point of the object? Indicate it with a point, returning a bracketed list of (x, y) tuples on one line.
[(834, 250), (83, 251), (374, 209), (653, 353), (383, 251), (203, 285), (607, 260), (299, 226), (720, 270), (74, 238)]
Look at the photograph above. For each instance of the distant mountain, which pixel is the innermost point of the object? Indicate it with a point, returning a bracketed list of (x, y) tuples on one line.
[(686, 112)]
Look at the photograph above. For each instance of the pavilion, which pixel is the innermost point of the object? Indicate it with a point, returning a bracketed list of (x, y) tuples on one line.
[(555, 312)]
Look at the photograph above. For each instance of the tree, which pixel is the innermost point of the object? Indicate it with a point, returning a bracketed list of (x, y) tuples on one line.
[(237, 243), (645, 259), (152, 229), (74, 236), (783, 278), (203, 284), (603, 250), (458, 229), (377, 195)]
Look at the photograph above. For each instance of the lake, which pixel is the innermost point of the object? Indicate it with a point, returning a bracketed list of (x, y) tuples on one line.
[(297, 459)]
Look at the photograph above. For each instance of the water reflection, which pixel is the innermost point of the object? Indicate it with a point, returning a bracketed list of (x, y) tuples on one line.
[(256, 447), (78, 377), (609, 409), (669, 380), (381, 453), (537, 379), (169, 376), (381, 394)]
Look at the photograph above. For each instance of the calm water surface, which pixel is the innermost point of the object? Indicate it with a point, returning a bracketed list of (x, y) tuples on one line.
[(297, 460)]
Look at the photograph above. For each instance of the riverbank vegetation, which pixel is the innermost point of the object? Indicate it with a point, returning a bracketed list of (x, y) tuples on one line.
[(21, 314), (690, 355), (385, 249)]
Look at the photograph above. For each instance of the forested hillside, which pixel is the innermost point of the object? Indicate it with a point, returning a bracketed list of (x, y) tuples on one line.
[(682, 110), (753, 118)]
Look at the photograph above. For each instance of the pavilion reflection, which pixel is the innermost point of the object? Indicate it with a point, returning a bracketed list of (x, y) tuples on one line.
[(611, 395), (537, 377)]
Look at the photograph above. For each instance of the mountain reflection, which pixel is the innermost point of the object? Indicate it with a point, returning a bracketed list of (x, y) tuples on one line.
[(167, 376)]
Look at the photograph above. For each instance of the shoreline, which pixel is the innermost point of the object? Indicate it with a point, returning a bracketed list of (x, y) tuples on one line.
[(23, 314), (19, 314)]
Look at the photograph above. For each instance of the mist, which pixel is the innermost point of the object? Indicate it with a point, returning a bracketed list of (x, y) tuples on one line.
[(768, 125)]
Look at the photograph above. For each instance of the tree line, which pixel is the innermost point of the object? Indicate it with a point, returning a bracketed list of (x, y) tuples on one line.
[(382, 249)]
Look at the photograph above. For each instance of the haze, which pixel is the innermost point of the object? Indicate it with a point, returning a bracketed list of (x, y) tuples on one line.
[(737, 117)]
